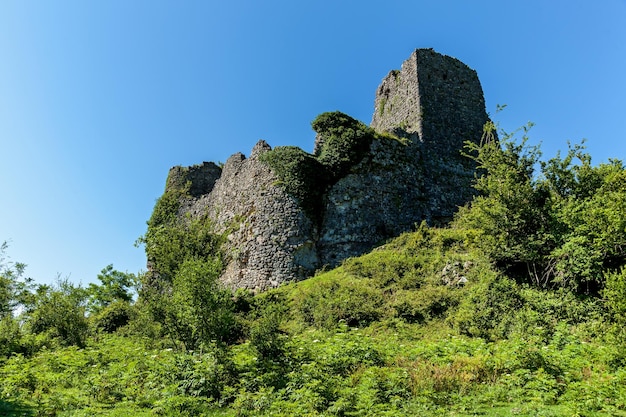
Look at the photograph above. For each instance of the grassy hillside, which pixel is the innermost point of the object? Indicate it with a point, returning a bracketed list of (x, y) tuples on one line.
[(517, 308), (421, 326)]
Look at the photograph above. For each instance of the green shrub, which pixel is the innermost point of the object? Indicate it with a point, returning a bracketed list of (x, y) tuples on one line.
[(203, 375), (266, 337), (542, 312), (345, 141), (336, 298), (60, 314), (387, 267), (429, 302), (562, 228), (113, 317), (615, 300), (195, 309), (169, 244), (10, 337), (488, 308)]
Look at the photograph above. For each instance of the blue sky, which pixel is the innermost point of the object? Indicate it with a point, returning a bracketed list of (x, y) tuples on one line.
[(99, 99)]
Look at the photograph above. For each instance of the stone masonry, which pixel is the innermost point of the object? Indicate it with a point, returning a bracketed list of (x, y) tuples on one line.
[(415, 172)]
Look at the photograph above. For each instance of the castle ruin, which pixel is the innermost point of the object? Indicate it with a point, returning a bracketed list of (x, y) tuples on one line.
[(411, 171)]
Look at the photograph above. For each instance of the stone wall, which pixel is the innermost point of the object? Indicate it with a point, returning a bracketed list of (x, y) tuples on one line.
[(270, 240), (415, 172), (199, 178), (437, 102)]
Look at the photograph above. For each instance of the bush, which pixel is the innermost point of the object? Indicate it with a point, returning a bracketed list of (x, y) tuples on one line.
[(562, 228), (336, 298), (344, 141), (430, 302), (60, 313), (266, 337), (169, 244), (194, 309), (10, 337), (113, 317), (388, 267), (615, 300), (488, 308)]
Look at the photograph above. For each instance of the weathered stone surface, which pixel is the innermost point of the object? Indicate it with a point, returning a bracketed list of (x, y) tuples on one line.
[(270, 240), (200, 178), (438, 101), (431, 106), (381, 198)]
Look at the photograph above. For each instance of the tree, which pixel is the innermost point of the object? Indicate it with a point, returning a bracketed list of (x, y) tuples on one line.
[(512, 210), (343, 141), (194, 309), (115, 286), (14, 296), (565, 226), (59, 312), (593, 224), (14, 290)]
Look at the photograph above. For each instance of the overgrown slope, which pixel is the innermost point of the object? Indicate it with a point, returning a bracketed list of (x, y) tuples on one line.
[(517, 308)]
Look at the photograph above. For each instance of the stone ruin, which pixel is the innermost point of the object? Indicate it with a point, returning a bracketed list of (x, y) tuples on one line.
[(433, 104)]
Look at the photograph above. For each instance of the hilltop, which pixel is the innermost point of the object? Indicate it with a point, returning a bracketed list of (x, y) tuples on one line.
[(287, 213)]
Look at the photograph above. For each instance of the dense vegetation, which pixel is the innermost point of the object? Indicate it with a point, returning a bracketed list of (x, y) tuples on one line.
[(516, 308), (342, 142)]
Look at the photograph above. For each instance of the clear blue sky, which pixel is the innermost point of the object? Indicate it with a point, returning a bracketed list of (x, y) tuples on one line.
[(98, 99)]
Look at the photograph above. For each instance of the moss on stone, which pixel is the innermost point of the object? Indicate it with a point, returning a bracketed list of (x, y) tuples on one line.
[(302, 175), (344, 142)]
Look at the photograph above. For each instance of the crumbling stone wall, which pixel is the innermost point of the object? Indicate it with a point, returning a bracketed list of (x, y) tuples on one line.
[(270, 240), (414, 171)]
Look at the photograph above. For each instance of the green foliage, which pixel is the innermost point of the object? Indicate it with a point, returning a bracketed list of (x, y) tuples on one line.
[(512, 210), (432, 302), (14, 291), (345, 141), (563, 228), (615, 296), (166, 208), (195, 310), (389, 267), (168, 245), (10, 337), (425, 345), (487, 309), (335, 298), (118, 377), (418, 277), (266, 336), (170, 239), (593, 217), (115, 286), (181, 293), (59, 313), (113, 317)]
